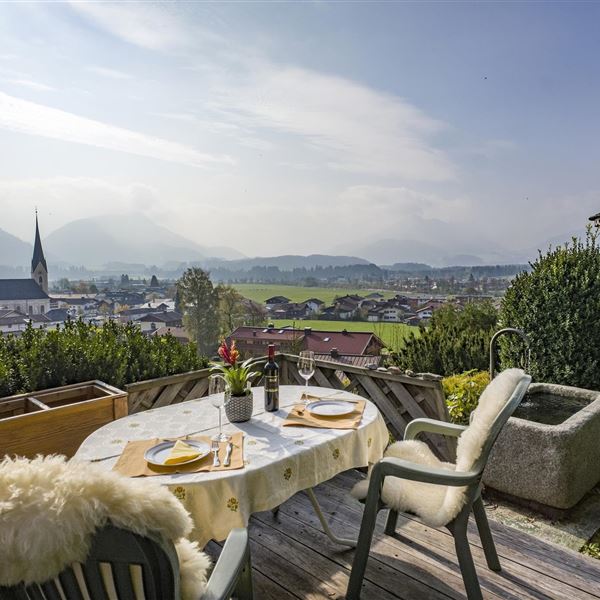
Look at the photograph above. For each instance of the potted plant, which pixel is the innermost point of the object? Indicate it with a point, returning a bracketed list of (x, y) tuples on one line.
[(237, 376)]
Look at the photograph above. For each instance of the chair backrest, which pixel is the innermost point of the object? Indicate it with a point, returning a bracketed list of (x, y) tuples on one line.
[(497, 403), (121, 565)]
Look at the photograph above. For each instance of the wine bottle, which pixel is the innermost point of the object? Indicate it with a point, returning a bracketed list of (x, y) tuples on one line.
[(271, 382)]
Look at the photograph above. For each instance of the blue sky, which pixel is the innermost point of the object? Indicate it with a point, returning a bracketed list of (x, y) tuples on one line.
[(304, 127)]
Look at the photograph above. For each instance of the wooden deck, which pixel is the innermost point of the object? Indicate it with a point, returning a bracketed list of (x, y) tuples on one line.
[(292, 557)]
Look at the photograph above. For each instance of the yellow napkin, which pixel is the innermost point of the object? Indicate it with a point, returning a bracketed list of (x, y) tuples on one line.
[(181, 452)]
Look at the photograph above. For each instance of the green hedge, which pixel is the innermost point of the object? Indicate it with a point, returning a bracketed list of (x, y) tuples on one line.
[(456, 340), (557, 305), (114, 353)]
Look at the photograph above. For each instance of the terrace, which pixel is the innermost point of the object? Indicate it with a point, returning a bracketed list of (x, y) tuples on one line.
[(292, 556)]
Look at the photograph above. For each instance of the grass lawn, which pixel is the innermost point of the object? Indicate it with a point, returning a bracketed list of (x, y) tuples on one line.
[(297, 293), (392, 334)]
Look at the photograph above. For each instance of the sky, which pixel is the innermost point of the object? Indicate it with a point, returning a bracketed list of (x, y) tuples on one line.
[(304, 127)]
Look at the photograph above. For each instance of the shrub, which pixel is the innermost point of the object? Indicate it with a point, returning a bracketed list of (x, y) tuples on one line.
[(455, 341), (463, 392), (557, 305), (114, 353)]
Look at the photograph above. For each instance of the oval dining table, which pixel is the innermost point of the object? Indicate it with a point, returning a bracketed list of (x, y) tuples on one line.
[(278, 461)]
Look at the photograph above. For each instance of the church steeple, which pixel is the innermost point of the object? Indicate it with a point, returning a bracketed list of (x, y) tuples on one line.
[(39, 269)]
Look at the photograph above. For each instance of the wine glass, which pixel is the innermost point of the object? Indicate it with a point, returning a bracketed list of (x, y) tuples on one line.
[(306, 368), (216, 393)]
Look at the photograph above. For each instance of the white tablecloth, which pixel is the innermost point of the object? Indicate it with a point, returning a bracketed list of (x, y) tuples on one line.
[(279, 461)]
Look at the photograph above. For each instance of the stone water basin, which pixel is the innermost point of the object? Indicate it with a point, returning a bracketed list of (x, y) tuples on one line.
[(549, 452)]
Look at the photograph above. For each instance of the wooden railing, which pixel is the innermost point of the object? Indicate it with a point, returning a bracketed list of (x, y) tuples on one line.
[(400, 398)]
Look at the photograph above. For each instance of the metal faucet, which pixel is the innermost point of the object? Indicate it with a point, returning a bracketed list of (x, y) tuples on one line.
[(494, 344)]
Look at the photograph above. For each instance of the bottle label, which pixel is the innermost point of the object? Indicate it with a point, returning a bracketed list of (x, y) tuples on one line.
[(271, 383)]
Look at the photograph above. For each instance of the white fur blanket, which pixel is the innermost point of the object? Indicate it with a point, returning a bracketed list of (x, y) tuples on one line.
[(50, 509), (437, 504)]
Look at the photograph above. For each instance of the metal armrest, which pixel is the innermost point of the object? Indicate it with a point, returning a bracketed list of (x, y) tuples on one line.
[(432, 426), (397, 467), (232, 561)]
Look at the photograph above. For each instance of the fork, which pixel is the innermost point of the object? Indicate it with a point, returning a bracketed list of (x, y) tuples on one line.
[(215, 450)]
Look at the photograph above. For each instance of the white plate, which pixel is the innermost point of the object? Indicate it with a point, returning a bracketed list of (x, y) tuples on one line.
[(159, 453), (331, 408)]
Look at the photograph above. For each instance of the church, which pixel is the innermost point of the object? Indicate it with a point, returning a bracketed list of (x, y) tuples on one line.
[(28, 296)]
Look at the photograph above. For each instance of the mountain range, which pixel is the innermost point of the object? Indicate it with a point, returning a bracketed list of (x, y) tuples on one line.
[(98, 241)]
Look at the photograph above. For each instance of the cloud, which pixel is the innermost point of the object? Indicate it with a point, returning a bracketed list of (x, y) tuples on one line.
[(110, 73), (354, 127), (35, 119), (32, 85), (403, 202), (142, 24), (63, 199)]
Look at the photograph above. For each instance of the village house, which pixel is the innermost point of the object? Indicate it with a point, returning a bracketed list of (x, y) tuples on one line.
[(253, 341), (179, 333), (152, 321), (314, 305), (15, 322), (276, 300)]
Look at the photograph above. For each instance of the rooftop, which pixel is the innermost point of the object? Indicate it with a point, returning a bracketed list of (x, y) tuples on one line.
[(21, 289)]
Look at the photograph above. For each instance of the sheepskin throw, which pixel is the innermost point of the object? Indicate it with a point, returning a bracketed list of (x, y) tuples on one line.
[(437, 504), (50, 509)]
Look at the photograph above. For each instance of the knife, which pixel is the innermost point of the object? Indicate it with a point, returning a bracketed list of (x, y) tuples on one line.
[(227, 460)]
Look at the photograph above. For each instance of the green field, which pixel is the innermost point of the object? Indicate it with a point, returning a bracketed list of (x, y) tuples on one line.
[(392, 334), (297, 293)]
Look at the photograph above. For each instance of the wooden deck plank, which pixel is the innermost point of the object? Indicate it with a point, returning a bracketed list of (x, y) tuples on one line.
[(419, 558), (378, 572), (551, 569), (580, 572), (293, 559)]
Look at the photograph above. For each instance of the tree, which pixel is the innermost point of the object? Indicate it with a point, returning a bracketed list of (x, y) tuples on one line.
[(199, 301), (455, 341), (154, 282), (557, 305), (232, 308)]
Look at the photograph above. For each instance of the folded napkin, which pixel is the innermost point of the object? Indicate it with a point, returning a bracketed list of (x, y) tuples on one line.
[(132, 463), (299, 416)]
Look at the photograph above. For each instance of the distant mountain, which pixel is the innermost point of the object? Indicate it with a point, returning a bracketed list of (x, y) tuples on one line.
[(13, 251), (96, 241), (289, 262)]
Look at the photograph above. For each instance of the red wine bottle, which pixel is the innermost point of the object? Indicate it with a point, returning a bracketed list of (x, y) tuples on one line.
[(271, 373)]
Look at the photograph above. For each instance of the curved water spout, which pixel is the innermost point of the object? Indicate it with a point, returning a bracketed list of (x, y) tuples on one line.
[(494, 344)]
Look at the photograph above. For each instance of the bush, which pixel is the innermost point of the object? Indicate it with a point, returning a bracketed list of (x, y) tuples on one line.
[(455, 341), (114, 353), (557, 305), (463, 392)]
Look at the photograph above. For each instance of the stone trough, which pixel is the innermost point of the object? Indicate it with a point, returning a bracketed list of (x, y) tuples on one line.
[(549, 452)]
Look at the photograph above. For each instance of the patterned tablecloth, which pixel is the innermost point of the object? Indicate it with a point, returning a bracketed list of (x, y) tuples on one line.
[(279, 461)]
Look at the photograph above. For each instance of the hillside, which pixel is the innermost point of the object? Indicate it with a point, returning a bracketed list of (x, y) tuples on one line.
[(14, 251), (96, 241)]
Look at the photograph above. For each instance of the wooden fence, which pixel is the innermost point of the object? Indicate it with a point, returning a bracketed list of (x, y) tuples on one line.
[(400, 398)]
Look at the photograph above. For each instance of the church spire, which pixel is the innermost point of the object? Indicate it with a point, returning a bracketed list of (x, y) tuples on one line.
[(39, 269)]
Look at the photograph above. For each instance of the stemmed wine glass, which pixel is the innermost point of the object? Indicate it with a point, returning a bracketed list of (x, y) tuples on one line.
[(306, 368), (216, 392)]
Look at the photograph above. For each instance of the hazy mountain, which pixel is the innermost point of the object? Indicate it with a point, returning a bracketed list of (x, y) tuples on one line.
[(289, 262), (13, 251), (96, 241)]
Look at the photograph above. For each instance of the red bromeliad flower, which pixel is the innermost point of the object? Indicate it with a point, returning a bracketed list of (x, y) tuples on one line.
[(229, 355), (233, 353)]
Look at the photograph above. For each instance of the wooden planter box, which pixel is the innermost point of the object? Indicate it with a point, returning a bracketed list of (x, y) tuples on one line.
[(57, 420)]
